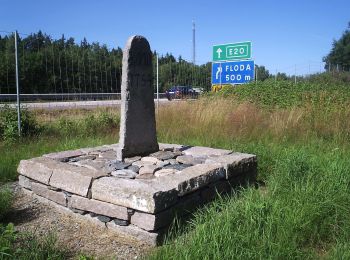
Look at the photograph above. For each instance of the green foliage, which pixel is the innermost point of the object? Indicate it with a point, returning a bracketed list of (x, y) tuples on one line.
[(183, 73), (9, 124), (62, 66), (7, 238), (325, 89), (26, 246), (86, 126), (5, 201), (262, 73), (339, 56)]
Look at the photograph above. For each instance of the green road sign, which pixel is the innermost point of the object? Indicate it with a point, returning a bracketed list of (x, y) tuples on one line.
[(232, 51)]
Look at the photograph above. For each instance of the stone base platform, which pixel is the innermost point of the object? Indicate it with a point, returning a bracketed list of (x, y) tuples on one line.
[(140, 196)]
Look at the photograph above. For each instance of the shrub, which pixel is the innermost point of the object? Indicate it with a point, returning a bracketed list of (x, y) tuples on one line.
[(9, 124), (5, 201)]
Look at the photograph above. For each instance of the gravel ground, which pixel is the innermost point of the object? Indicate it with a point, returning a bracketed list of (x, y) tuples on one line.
[(74, 234)]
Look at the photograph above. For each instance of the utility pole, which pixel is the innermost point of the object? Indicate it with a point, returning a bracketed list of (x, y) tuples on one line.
[(17, 89), (193, 43), (276, 76)]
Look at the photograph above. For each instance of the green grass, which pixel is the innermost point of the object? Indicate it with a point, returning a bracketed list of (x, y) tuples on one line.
[(301, 213), (27, 246), (301, 137), (5, 201)]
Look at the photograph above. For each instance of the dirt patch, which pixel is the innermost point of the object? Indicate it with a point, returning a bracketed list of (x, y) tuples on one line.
[(73, 233)]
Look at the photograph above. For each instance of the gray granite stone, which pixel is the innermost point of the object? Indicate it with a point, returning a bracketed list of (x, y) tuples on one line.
[(163, 172), (150, 159), (188, 159), (147, 175), (82, 158), (24, 182), (103, 219), (98, 207), (44, 191), (148, 169), (200, 151), (132, 159), (73, 179), (129, 174), (137, 194), (169, 147), (78, 211), (137, 125), (151, 222), (171, 161), (161, 164), (192, 178), (235, 163), (178, 167), (121, 222), (134, 168), (39, 169), (95, 165), (108, 155), (64, 156), (117, 165), (142, 163), (133, 231), (164, 155)]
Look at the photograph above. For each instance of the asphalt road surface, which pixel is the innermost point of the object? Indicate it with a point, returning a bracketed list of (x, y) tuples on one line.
[(78, 104)]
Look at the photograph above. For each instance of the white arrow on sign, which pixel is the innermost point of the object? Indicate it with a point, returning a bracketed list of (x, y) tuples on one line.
[(218, 72), (219, 51)]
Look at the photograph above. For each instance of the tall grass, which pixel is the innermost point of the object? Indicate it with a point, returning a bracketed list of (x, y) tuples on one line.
[(223, 118), (300, 134), (301, 138)]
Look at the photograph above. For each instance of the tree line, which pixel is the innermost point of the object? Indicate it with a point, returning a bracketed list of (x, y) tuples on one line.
[(48, 65), (339, 56)]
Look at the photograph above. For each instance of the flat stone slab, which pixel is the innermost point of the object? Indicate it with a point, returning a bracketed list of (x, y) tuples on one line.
[(201, 151), (234, 163), (136, 194), (128, 174), (44, 191), (98, 207), (64, 156), (73, 179), (192, 178), (39, 169)]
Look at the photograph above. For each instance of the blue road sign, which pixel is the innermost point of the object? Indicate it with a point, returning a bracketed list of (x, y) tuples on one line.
[(232, 72)]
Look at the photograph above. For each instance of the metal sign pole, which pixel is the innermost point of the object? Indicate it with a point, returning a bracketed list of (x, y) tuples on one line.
[(17, 88), (157, 84)]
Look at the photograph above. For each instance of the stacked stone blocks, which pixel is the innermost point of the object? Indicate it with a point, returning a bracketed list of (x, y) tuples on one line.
[(85, 182)]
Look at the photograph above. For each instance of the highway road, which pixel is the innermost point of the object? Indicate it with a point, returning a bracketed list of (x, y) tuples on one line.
[(77, 104)]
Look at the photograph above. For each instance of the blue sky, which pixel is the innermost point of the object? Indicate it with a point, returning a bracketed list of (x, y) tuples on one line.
[(283, 33)]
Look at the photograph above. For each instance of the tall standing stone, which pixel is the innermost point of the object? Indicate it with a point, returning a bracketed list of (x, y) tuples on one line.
[(138, 125)]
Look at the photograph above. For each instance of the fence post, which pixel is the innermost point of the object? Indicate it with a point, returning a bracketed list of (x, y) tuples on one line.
[(256, 74), (17, 89), (157, 84)]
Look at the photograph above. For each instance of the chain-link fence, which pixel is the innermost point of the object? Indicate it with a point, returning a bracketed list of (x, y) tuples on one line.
[(62, 74)]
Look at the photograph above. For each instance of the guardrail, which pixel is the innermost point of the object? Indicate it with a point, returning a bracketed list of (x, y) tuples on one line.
[(66, 97)]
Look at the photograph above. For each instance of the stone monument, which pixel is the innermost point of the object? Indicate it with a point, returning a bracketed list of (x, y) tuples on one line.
[(137, 124), (142, 191)]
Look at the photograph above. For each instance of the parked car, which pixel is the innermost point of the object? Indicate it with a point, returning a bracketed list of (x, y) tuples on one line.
[(181, 92)]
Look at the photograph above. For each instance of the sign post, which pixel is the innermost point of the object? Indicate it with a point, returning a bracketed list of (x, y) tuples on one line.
[(232, 63), (232, 72), (232, 51)]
